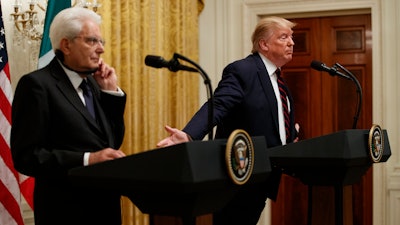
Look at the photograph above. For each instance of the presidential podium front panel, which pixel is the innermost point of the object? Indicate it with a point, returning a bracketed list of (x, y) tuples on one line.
[(184, 180), (335, 160)]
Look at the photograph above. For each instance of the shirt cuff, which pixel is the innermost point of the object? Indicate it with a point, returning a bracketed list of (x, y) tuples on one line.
[(118, 92), (86, 158)]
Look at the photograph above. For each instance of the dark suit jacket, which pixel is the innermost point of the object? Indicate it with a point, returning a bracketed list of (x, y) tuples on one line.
[(51, 130), (245, 99)]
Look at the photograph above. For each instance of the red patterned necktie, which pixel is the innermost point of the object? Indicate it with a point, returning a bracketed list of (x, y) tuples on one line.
[(283, 94)]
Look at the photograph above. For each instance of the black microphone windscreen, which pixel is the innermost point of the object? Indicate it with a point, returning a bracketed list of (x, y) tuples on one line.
[(154, 61), (317, 65)]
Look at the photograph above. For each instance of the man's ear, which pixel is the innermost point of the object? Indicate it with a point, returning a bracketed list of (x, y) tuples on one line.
[(263, 44), (65, 46)]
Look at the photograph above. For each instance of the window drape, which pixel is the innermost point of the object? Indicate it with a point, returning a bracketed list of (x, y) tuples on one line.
[(155, 97)]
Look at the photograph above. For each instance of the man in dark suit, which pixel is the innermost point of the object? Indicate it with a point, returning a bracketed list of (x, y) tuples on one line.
[(59, 124), (248, 98)]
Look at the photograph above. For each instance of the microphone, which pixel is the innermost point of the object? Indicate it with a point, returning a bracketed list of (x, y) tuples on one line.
[(320, 66), (173, 64)]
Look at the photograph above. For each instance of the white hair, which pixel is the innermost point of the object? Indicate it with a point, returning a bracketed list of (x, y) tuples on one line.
[(68, 24)]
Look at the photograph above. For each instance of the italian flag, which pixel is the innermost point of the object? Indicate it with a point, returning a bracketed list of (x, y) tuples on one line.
[(46, 53)]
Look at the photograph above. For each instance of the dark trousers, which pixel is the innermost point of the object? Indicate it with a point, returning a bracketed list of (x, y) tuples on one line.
[(247, 205)]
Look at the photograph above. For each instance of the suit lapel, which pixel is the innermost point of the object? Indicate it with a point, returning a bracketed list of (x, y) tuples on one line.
[(266, 84), (65, 87)]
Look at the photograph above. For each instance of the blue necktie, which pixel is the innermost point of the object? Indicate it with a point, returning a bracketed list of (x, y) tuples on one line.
[(88, 96)]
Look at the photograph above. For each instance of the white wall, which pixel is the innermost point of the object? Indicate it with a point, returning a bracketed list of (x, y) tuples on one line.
[(225, 30)]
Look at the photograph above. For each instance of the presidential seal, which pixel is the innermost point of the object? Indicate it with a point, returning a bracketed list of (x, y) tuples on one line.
[(375, 143), (239, 156)]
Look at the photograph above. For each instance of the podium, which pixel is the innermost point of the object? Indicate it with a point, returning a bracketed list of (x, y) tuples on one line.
[(184, 180), (333, 160)]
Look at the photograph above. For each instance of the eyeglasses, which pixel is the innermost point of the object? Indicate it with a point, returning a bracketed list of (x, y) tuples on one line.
[(92, 41)]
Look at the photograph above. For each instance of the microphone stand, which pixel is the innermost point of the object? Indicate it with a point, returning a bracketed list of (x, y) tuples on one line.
[(207, 82), (359, 91), (338, 189)]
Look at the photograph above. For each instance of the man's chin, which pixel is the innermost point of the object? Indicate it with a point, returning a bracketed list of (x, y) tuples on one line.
[(87, 71), (94, 68)]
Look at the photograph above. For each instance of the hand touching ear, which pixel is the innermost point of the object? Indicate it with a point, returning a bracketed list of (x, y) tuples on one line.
[(106, 77)]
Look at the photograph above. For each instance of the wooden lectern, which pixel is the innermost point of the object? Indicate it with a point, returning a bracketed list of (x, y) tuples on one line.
[(336, 160), (185, 180)]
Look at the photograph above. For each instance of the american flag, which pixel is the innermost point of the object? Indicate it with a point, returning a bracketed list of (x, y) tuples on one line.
[(12, 184)]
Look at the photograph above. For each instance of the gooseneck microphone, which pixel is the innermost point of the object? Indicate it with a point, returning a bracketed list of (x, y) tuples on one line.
[(173, 64), (334, 70), (320, 66)]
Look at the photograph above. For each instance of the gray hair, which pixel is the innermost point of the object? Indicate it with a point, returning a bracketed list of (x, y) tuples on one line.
[(68, 23), (266, 27)]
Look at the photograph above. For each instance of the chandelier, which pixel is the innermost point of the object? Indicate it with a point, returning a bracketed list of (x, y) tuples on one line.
[(29, 22)]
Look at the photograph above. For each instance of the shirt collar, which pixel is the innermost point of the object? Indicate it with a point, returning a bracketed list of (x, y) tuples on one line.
[(74, 77), (271, 68)]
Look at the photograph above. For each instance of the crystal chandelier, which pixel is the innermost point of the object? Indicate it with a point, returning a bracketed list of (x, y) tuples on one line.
[(28, 23), (94, 5)]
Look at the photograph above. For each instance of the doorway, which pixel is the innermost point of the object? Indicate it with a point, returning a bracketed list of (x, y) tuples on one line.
[(325, 104)]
